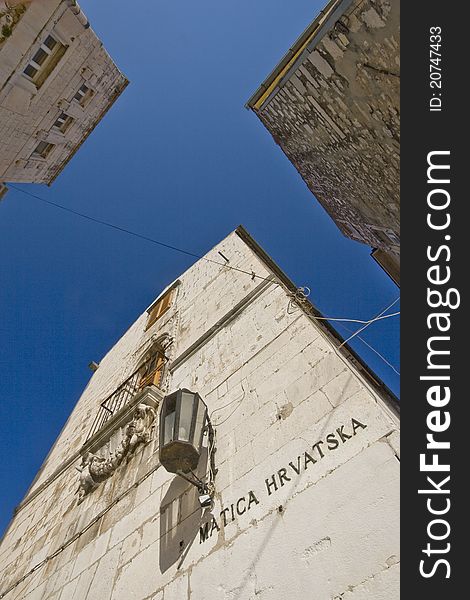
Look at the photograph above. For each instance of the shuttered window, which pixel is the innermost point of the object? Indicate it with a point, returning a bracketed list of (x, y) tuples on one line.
[(152, 370), (159, 309)]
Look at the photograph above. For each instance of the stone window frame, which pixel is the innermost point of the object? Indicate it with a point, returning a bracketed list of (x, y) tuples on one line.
[(385, 234), (52, 57), (83, 96), (42, 149), (63, 122), (351, 230)]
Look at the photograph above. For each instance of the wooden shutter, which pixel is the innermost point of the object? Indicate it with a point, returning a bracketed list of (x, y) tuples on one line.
[(165, 303), (159, 309), (153, 316), (152, 374)]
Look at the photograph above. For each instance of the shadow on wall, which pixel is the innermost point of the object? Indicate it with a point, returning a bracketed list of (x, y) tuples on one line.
[(180, 517)]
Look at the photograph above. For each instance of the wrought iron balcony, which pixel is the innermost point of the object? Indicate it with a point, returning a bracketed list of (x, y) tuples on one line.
[(149, 373)]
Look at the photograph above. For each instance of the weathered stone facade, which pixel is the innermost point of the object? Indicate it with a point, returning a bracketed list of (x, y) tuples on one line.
[(306, 501), (56, 83), (389, 261), (333, 106)]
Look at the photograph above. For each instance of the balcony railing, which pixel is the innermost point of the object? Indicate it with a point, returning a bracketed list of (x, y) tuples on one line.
[(148, 373)]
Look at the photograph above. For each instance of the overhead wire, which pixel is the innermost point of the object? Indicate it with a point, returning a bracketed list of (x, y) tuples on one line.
[(135, 234), (376, 318), (367, 323), (300, 297), (239, 402), (304, 291), (372, 348)]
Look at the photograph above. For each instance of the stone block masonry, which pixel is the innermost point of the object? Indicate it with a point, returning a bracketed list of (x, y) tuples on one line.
[(46, 115), (306, 501), (333, 107)]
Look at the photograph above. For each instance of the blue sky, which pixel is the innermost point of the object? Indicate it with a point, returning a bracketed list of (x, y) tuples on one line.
[(178, 158)]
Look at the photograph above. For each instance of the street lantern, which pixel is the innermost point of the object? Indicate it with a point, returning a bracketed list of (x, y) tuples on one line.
[(182, 420)]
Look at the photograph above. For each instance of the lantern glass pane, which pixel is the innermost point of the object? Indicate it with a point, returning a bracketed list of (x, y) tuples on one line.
[(186, 416), (200, 422), (169, 425)]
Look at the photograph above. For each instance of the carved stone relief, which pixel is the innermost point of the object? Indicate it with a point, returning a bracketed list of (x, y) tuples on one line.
[(97, 467), (10, 13)]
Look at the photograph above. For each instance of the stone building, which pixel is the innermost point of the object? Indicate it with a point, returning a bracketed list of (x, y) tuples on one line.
[(301, 451), (332, 104), (56, 83)]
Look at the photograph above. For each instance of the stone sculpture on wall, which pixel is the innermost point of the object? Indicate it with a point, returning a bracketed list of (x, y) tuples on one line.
[(95, 469), (140, 428), (10, 14)]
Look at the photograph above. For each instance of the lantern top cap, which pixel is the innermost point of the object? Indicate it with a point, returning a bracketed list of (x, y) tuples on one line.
[(180, 391)]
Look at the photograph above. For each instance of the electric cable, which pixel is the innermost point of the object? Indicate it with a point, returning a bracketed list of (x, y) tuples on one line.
[(239, 400), (373, 349), (252, 274), (137, 235), (300, 296), (366, 323), (376, 318)]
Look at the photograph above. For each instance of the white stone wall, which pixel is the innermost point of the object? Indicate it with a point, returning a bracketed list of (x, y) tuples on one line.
[(27, 114), (307, 486)]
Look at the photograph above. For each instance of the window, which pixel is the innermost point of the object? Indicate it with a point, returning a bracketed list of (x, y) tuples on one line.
[(387, 236), (63, 122), (350, 231), (159, 308), (152, 370), (44, 61), (393, 237), (83, 95), (43, 149)]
